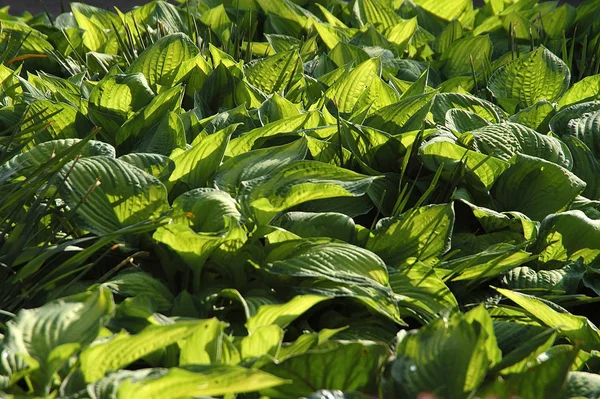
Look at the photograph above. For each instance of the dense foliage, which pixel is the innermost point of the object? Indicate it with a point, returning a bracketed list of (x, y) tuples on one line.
[(283, 199)]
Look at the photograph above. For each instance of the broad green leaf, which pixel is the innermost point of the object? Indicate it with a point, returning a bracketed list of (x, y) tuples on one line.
[(347, 91), (195, 248), (159, 166), (206, 209), (331, 365), (115, 352), (450, 357), (418, 234), (265, 340), (532, 77), (491, 262), (544, 379), (565, 279), (195, 166), (467, 55), (198, 381), (581, 384), (559, 124), (168, 136), (446, 11), (299, 182), (245, 143), (277, 108), (94, 37), (585, 165), (462, 121), (108, 194), (276, 73), (377, 13), (282, 314), (422, 290), (536, 116), (253, 164), (38, 334), (160, 62), (334, 261), (536, 187), (115, 98), (504, 140), (586, 128), (286, 17), (406, 115), (577, 328), (131, 284), (485, 169), (61, 120), (43, 152), (150, 116), (569, 236), (205, 345), (321, 224), (585, 90), (443, 102)]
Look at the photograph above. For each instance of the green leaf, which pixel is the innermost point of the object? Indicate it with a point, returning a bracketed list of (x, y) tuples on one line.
[(253, 164), (532, 77), (566, 279), (586, 129), (322, 224), (406, 115), (491, 262), (485, 169), (585, 90), (199, 382), (331, 365), (149, 116), (467, 55), (115, 98), (39, 334), (282, 314), (160, 62), (156, 165), (195, 166), (195, 248), (205, 344), (245, 143), (265, 340), (462, 121), (375, 12), (61, 119), (577, 328), (275, 73), (581, 384), (536, 116), (131, 284), (569, 236), (449, 357), (418, 234), (299, 182), (536, 187), (585, 165), (43, 152), (347, 91), (422, 290), (443, 102), (108, 194), (446, 11), (210, 209), (114, 353), (504, 140)]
